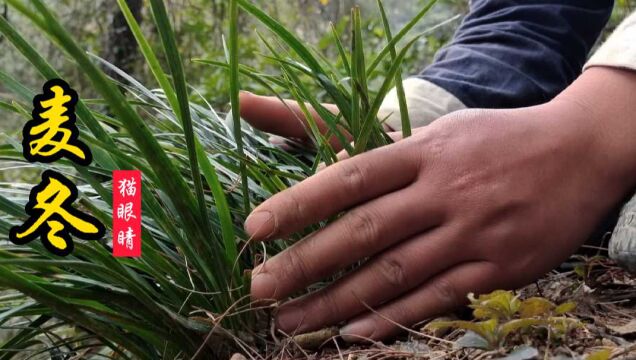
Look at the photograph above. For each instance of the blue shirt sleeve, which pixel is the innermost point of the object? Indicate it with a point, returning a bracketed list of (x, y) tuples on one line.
[(514, 53)]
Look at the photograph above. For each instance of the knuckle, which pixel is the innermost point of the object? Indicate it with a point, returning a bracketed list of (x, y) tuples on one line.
[(296, 265), (362, 226), (445, 291), (392, 271), (352, 176), (328, 304), (434, 140), (295, 205)]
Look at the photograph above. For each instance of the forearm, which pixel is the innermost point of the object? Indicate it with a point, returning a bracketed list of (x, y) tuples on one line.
[(504, 54), (619, 52), (599, 107)]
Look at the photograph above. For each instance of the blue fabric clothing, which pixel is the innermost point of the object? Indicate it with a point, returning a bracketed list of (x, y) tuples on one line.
[(514, 53)]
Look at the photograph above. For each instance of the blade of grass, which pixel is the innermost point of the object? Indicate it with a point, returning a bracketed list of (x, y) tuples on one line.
[(371, 122), (301, 93), (169, 177), (358, 78), (222, 208), (399, 36), (9, 207), (8, 107), (253, 74), (399, 86), (151, 58), (340, 99), (12, 280), (10, 83), (341, 50), (20, 341), (176, 68), (356, 112), (234, 98)]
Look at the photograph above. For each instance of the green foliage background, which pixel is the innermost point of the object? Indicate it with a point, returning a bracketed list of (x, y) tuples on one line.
[(199, 27)]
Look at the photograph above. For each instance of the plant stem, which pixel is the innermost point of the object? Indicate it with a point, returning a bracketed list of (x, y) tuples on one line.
[(234, 99)]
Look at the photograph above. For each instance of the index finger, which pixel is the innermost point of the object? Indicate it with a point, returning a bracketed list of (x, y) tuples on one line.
[(336, 188), (284, 118)]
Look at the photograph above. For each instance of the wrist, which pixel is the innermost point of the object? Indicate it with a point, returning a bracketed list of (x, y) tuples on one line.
[(597, 111)]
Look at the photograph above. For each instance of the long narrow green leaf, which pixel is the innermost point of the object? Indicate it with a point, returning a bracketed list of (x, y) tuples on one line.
[(341, 50), (246, 71), (151, 58), (234, 97), (400, 35), (222, 208), (303, 93), (399, 86), (176, 68), (48, 73), (13, 85), (12, 280), (168, 175), (20, 341), (294, 43), (293, 83), (371, 121), (11, 208)]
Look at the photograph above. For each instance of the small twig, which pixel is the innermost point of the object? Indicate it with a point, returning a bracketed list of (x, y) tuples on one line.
[(624, 351), (547, 346), (487, 353), (536, 283), (337, 347), (410, 331)]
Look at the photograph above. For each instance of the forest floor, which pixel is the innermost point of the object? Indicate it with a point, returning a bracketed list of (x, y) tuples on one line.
[(605, 297)]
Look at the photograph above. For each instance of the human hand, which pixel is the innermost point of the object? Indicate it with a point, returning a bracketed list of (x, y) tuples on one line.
[(284, 119), (479, 200)]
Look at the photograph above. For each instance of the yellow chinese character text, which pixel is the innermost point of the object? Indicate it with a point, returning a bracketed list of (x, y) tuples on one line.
[(52, 134), (53, 218)]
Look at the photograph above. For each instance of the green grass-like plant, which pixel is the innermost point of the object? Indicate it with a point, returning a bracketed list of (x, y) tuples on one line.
[(187, 296)]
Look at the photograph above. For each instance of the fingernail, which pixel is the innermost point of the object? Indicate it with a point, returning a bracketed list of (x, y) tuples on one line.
[(263, 286), (276, 140), (358, 331), (289, 319), (260, 224)]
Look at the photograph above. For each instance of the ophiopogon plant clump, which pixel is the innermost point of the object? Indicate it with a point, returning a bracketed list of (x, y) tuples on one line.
[(188, 294)]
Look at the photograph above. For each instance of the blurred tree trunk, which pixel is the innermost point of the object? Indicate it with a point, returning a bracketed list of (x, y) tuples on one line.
[(120, 48), (219, 11), (5, 15)]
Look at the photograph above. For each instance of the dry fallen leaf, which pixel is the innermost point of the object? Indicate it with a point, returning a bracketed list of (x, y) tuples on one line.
[(627, 329), (314, 339)]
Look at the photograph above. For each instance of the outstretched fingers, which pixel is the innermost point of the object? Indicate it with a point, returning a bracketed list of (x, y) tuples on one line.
[(360, 233), (331, 191), (383, 278)]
